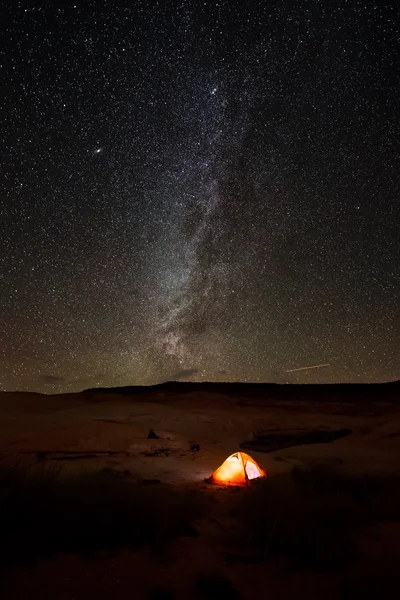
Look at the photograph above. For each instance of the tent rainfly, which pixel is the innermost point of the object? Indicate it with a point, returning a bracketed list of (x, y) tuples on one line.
[(237, 469)]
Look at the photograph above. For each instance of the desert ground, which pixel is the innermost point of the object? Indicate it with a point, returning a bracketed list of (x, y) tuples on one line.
[(90, 507)]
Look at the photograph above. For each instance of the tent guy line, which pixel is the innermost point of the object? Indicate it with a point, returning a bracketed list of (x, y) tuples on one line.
[(311, 367)]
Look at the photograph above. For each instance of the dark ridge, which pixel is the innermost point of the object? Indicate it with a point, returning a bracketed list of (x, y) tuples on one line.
[(335, 391)]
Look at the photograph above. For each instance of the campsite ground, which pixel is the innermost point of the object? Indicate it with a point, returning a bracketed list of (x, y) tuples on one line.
[(91, 507)]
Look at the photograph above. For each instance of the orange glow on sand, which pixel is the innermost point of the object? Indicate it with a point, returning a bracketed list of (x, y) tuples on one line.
[(237, 469)]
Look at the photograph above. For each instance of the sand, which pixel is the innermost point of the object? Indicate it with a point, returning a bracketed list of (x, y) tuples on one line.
[(90, 432)]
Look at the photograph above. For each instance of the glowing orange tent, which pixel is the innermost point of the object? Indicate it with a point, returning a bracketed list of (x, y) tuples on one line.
[(238, 469)]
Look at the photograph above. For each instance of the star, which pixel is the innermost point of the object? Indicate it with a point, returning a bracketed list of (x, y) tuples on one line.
[(199, 190)]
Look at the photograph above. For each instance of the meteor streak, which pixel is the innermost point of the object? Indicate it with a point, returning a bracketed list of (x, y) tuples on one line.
[(311, 367)]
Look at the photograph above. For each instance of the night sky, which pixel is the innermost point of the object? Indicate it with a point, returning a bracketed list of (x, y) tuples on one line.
[(199, 191)]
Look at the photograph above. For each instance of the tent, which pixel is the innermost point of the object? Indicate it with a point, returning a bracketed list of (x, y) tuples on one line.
[(237, 469)]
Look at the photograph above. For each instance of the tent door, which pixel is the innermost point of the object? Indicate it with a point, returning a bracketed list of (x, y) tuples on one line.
[(251, 470)]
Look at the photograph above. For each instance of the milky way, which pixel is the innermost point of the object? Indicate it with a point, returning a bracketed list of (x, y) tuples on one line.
[(197, 281), (202, 191)]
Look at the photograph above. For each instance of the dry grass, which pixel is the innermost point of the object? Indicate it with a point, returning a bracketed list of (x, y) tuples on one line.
[(215, 587), (313, 517), (310, 519), (42, 515)]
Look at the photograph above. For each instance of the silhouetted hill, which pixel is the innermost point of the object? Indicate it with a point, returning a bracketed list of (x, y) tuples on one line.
[(329, 392)]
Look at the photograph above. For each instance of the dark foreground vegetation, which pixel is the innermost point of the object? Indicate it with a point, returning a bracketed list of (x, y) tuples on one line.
[(325, 523), (312, 520), (313, 517), (42, 515)]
